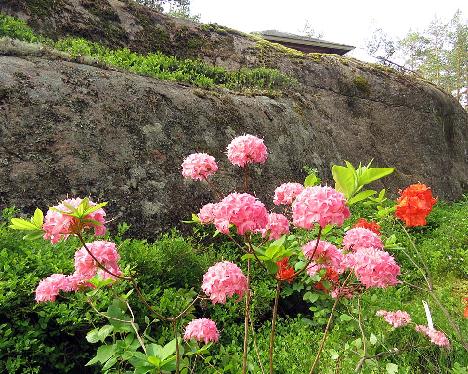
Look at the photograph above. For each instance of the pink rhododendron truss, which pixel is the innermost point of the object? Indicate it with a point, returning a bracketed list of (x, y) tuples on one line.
[(247, 149), (222, 280), (202, 329)]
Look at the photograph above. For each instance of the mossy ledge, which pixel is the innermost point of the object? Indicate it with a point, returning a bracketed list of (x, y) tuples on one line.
[(156, 65)]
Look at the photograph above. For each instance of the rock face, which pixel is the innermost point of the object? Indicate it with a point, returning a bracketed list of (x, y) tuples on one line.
[(76, 129)]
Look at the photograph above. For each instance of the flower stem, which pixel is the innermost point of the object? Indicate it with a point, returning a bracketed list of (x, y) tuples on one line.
[(325, 334), (174, 327), (273, 325), (364, 344), (246, 320)]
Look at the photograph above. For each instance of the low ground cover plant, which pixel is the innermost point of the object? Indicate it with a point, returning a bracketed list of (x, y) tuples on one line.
[(310, 246), (156, 64)]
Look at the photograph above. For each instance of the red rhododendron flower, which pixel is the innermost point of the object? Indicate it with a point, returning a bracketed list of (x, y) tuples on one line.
[(370, 225), (465, 313), (414, 204), (285, 271)]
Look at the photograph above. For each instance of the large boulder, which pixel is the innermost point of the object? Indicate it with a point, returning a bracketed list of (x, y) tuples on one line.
[(71, 128)]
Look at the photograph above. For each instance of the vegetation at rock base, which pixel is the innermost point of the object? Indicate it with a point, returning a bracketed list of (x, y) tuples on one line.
[(155, 65), (38, 338)]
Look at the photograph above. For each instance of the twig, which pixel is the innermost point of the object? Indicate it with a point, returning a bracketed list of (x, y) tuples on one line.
[(246, 320), (364, 344), (174, 327), (273, 325), (322, 343), (254, 338)]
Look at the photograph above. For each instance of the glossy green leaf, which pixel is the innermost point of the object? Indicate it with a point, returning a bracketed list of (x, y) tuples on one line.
[(361, 196), (345, 180), (22, 224)]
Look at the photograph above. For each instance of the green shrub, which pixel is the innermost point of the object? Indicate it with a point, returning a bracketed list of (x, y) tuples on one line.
[(155, 65)]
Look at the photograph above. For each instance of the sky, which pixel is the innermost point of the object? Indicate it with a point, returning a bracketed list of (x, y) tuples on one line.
[(344, 22)]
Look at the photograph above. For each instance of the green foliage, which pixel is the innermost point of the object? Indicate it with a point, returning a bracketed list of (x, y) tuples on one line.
[(362, 84), (350, 180), (156, 65)]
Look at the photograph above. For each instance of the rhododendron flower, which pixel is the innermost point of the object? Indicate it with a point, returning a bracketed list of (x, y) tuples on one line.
[(247, 149), (286, 193), (105, 252), (325, 256), (465, 312), (58, 225), (202, 329), (277, 226), (206, 214), (370, 225), (396, 319), (241, 210), (285, 271), (318, 204), (224, 279), (373, 267), (331, 276), (414, 204), (199, 166), (49, 288), (436, 337), (359, 238)]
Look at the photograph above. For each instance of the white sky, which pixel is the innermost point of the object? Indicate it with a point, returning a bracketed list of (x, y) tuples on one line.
[(347, 22)]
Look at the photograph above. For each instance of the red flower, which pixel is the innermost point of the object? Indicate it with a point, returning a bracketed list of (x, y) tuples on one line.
[(414, 204), (465, 313), (370, 225), (332, 276), (285, 272)]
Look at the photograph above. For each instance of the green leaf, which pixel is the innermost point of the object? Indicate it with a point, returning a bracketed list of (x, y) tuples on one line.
[(311, 297), (372, 339), (104, 332), (38, 218), (104, 353), (22, 224), (168, 349), (34, 235), (154, 350), (361, 196), (93, 336), (372, 174), (311, 180), (271, 266), (345, 318), (345, 180), (154, 360), (391, 368)]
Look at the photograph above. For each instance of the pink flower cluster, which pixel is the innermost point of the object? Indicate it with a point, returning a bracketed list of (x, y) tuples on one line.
[(49, 288), (202, 329), (247, 149), (373, 267), (319, 204), (436, 337), (286, 193), (396, 319), (85, 269), (199, 166), (241, 210), (325, 256), (58, 225), (277, 226), (105, 252), (224, 279), (360, 238), (206, 214), (346, 292)]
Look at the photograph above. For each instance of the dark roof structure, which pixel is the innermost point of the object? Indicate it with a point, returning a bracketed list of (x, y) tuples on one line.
[(304, 43)]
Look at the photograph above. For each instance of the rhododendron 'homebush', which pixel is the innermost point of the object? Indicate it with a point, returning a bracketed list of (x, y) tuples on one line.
[(360, 238), (319, 204), (396, 319), (59, 225), (373, 267), (286, 193), (370, 225), (324, 255), (105, 252), (436, 337), (202, 329), (49, 288), (277, 226), (242, 210), (199, 166), (247, 149), (224, 279)]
